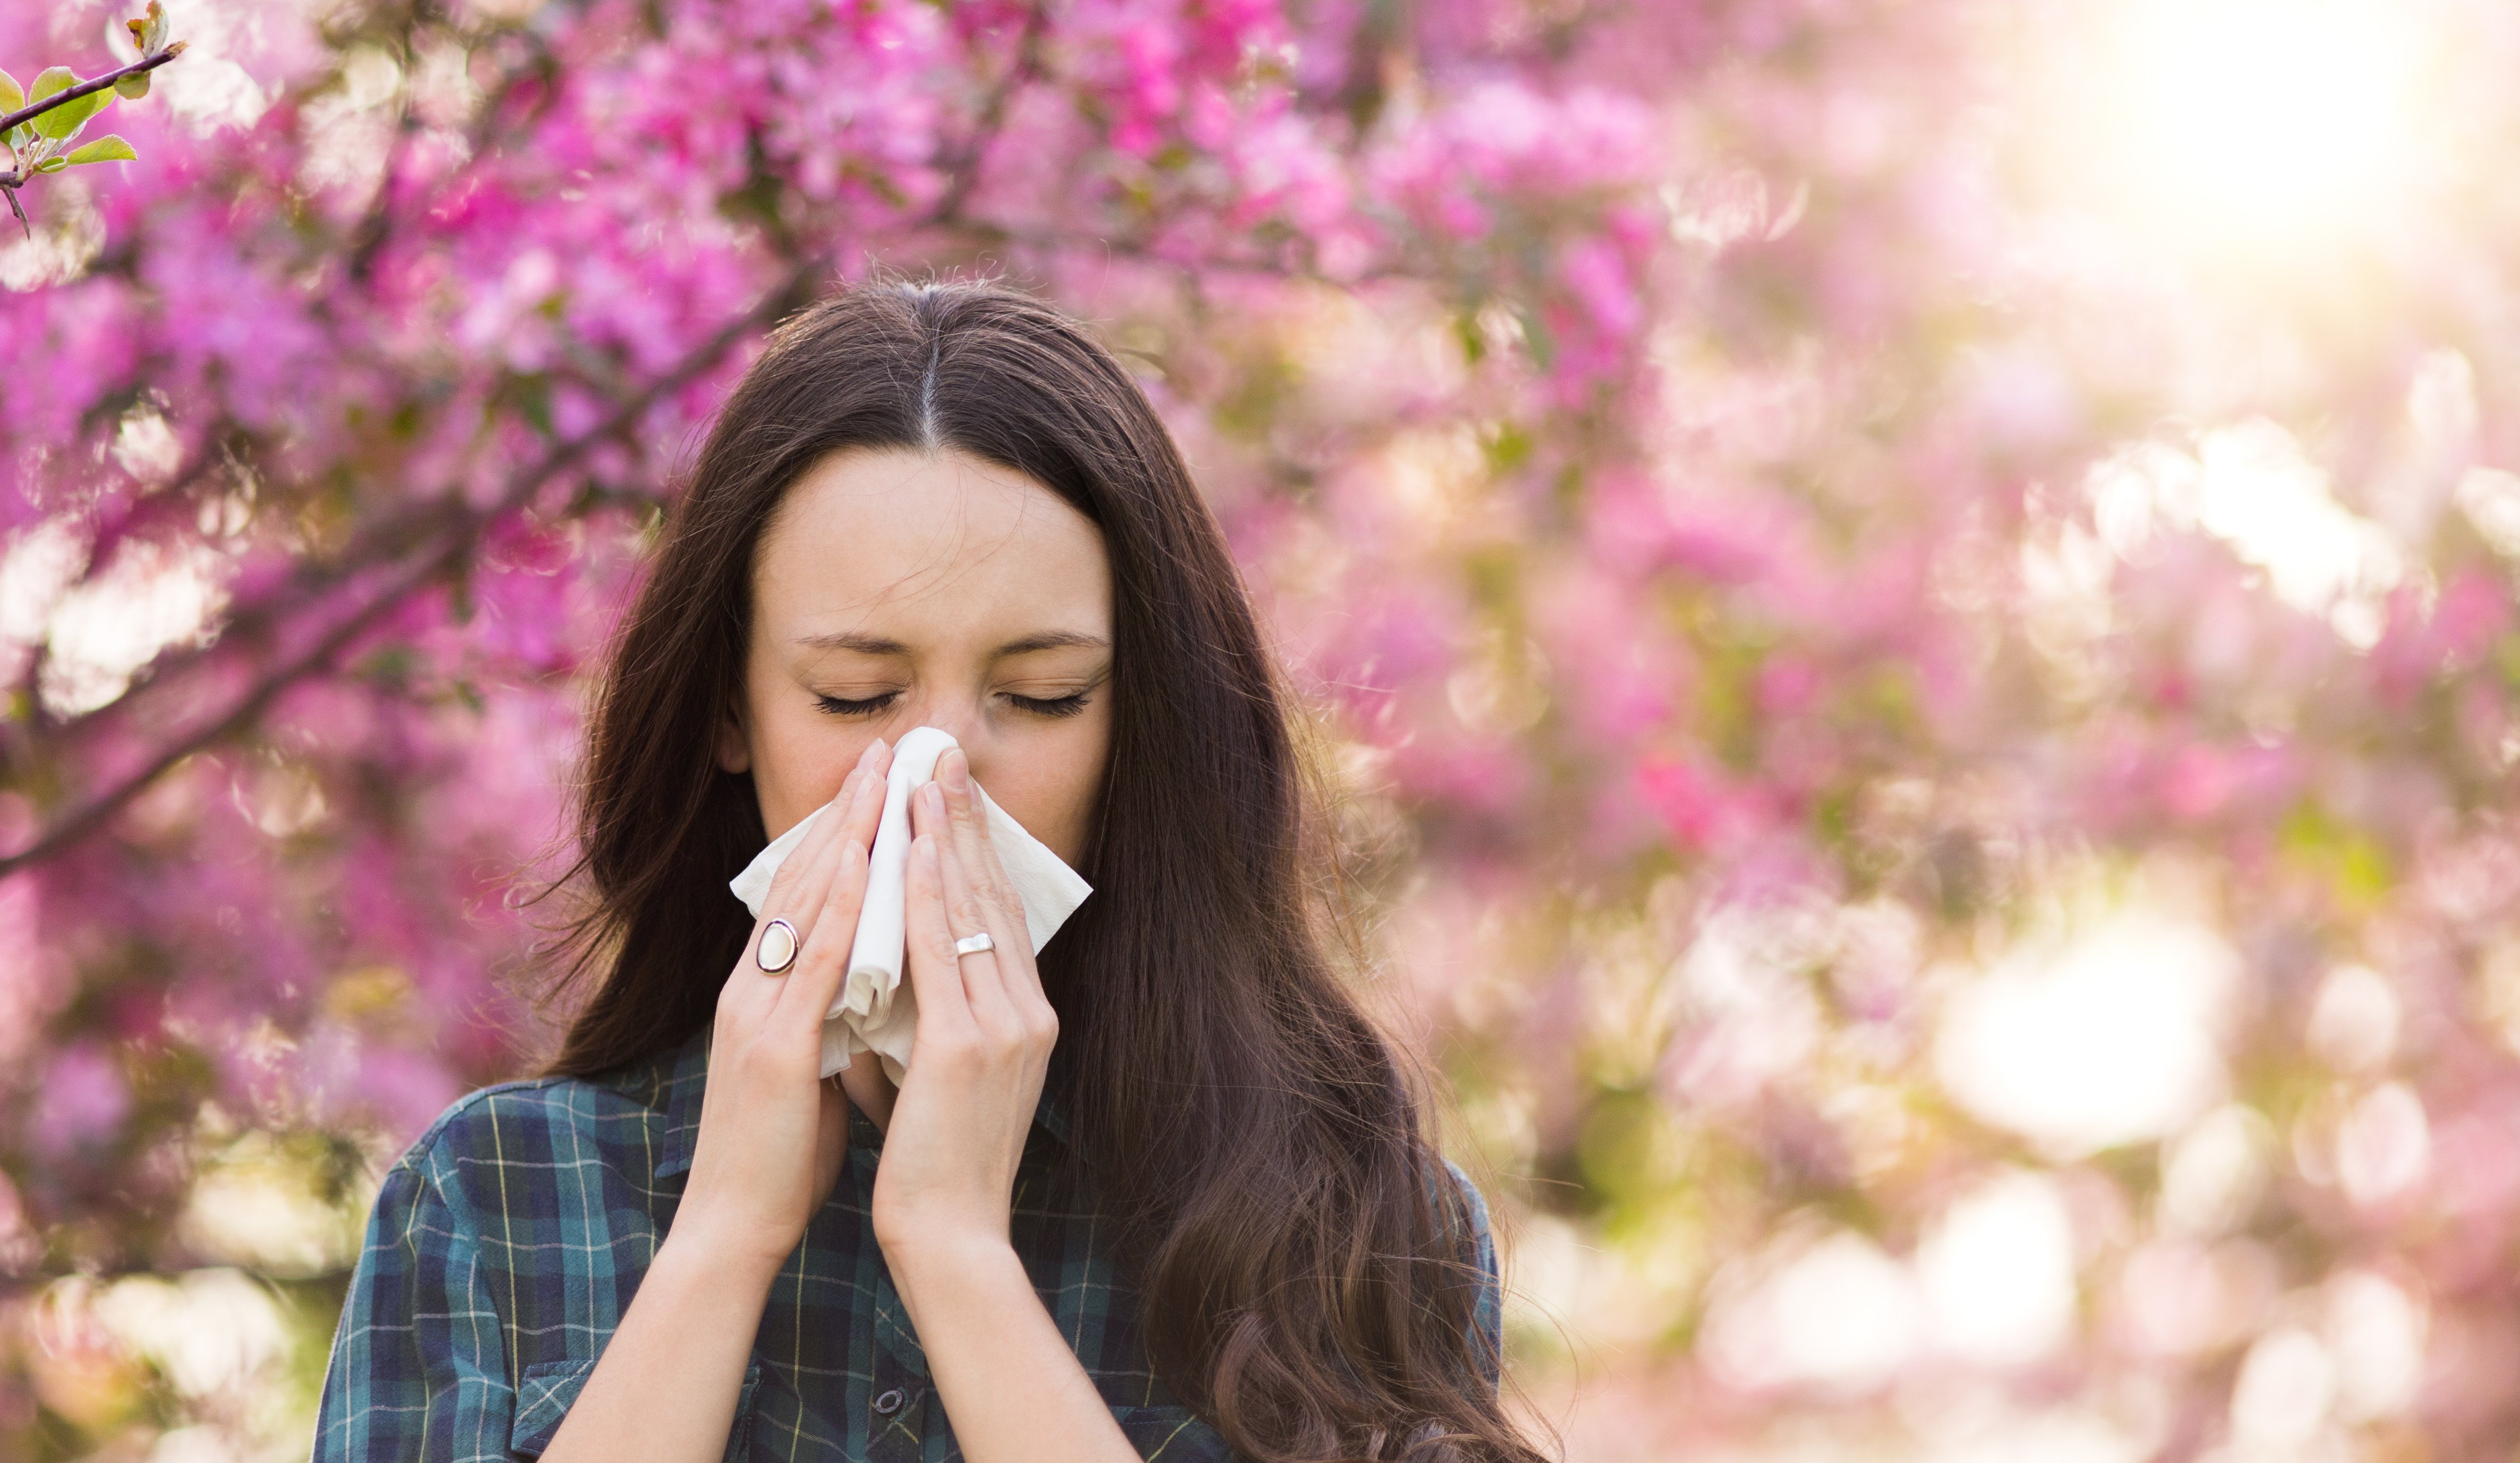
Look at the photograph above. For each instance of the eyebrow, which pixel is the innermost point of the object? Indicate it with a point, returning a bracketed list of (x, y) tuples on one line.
[(878, 645)]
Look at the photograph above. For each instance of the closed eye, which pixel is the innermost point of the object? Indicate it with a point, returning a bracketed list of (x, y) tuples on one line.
[(1057, 706), (1053, 707), (837, 707)]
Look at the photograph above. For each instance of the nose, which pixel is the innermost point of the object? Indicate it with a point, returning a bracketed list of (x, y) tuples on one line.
[(957, 716)]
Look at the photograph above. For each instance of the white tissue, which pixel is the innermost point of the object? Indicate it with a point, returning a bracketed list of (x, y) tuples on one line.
[(875, 1010)]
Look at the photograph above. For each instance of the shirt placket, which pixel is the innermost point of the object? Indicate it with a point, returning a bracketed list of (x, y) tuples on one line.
[(901, 1405), (908, 1426)]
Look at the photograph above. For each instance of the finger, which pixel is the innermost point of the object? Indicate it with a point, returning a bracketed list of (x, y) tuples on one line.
[(877, 764), (944, 1010), (797, 889), (750, 992), (982, 864), (970, 827), (968, 864), (984, 982), (799, 901), (823, 965), (793, 870), (820, 857)]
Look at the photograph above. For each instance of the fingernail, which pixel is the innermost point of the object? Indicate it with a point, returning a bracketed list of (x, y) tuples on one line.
[(867, 757), (958, 773)]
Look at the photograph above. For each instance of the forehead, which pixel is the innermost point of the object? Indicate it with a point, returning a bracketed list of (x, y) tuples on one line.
[(928, 548)]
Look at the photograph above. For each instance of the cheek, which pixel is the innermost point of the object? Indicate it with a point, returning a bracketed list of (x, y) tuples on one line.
[(1080, 796), (1057, 804), (799, 758)]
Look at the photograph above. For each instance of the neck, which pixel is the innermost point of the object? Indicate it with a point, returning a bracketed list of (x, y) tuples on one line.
[(868, 1088)]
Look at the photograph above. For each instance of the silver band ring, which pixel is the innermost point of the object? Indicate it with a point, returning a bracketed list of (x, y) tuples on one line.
[(778, 947), (972, 945)]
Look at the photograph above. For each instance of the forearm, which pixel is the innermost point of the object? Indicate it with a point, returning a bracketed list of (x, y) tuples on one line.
[(1010, 1384), (666, 1385)]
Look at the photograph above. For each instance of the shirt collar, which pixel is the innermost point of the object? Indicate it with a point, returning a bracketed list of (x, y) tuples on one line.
[(686, 1080)]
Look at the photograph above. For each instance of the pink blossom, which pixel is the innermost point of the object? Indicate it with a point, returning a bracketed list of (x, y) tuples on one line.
[(81, 1103), (1693, 458)]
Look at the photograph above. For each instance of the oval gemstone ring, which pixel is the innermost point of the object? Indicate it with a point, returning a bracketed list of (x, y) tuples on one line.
[(778, 949), (972, 945)]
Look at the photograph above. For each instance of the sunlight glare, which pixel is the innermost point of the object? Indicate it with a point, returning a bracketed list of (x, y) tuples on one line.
[(2082, 1043), (2268, 122)]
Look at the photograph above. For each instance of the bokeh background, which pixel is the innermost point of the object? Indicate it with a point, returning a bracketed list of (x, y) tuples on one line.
[(1914, 598)]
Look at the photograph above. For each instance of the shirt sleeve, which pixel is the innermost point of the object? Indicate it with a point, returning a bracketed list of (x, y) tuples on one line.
[(419, 1368), (1487, 1320)]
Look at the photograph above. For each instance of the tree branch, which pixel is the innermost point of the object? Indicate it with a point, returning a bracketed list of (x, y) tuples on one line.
[(964, 170), (34, 110), (443, 547), (437, 553), (375, 542), (393, 533)]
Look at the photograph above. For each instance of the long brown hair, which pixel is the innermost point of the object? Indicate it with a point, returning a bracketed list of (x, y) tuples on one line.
[(1258, 1146)]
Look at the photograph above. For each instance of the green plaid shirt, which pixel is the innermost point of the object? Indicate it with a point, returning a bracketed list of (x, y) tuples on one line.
[(508, 1241)]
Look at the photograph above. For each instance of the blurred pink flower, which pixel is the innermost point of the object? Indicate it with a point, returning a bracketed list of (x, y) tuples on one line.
[(80, 1103)]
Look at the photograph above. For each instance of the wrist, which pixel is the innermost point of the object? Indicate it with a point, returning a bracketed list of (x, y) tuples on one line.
[(728, 1253), (948, 1225), (941, 1266), (942, 1245)]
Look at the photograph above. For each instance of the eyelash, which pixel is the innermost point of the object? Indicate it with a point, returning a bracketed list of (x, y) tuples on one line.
[(1058, 707)]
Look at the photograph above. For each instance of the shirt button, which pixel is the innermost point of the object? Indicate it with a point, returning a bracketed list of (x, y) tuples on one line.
[(890, 1403)]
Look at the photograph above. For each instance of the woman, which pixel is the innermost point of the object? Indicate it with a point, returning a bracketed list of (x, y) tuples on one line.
[(1162, 1193)]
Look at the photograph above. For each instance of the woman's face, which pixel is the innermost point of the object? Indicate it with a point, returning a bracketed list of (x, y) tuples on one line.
[(895, 590)]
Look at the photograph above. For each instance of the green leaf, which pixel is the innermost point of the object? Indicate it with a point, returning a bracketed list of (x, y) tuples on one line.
[(12, 95), (66, 121), (135, 86), (52, 165), (52, 79), (110, 147)]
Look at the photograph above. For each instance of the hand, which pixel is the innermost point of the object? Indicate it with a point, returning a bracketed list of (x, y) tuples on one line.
[(985, 1031), (772, 1131)]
